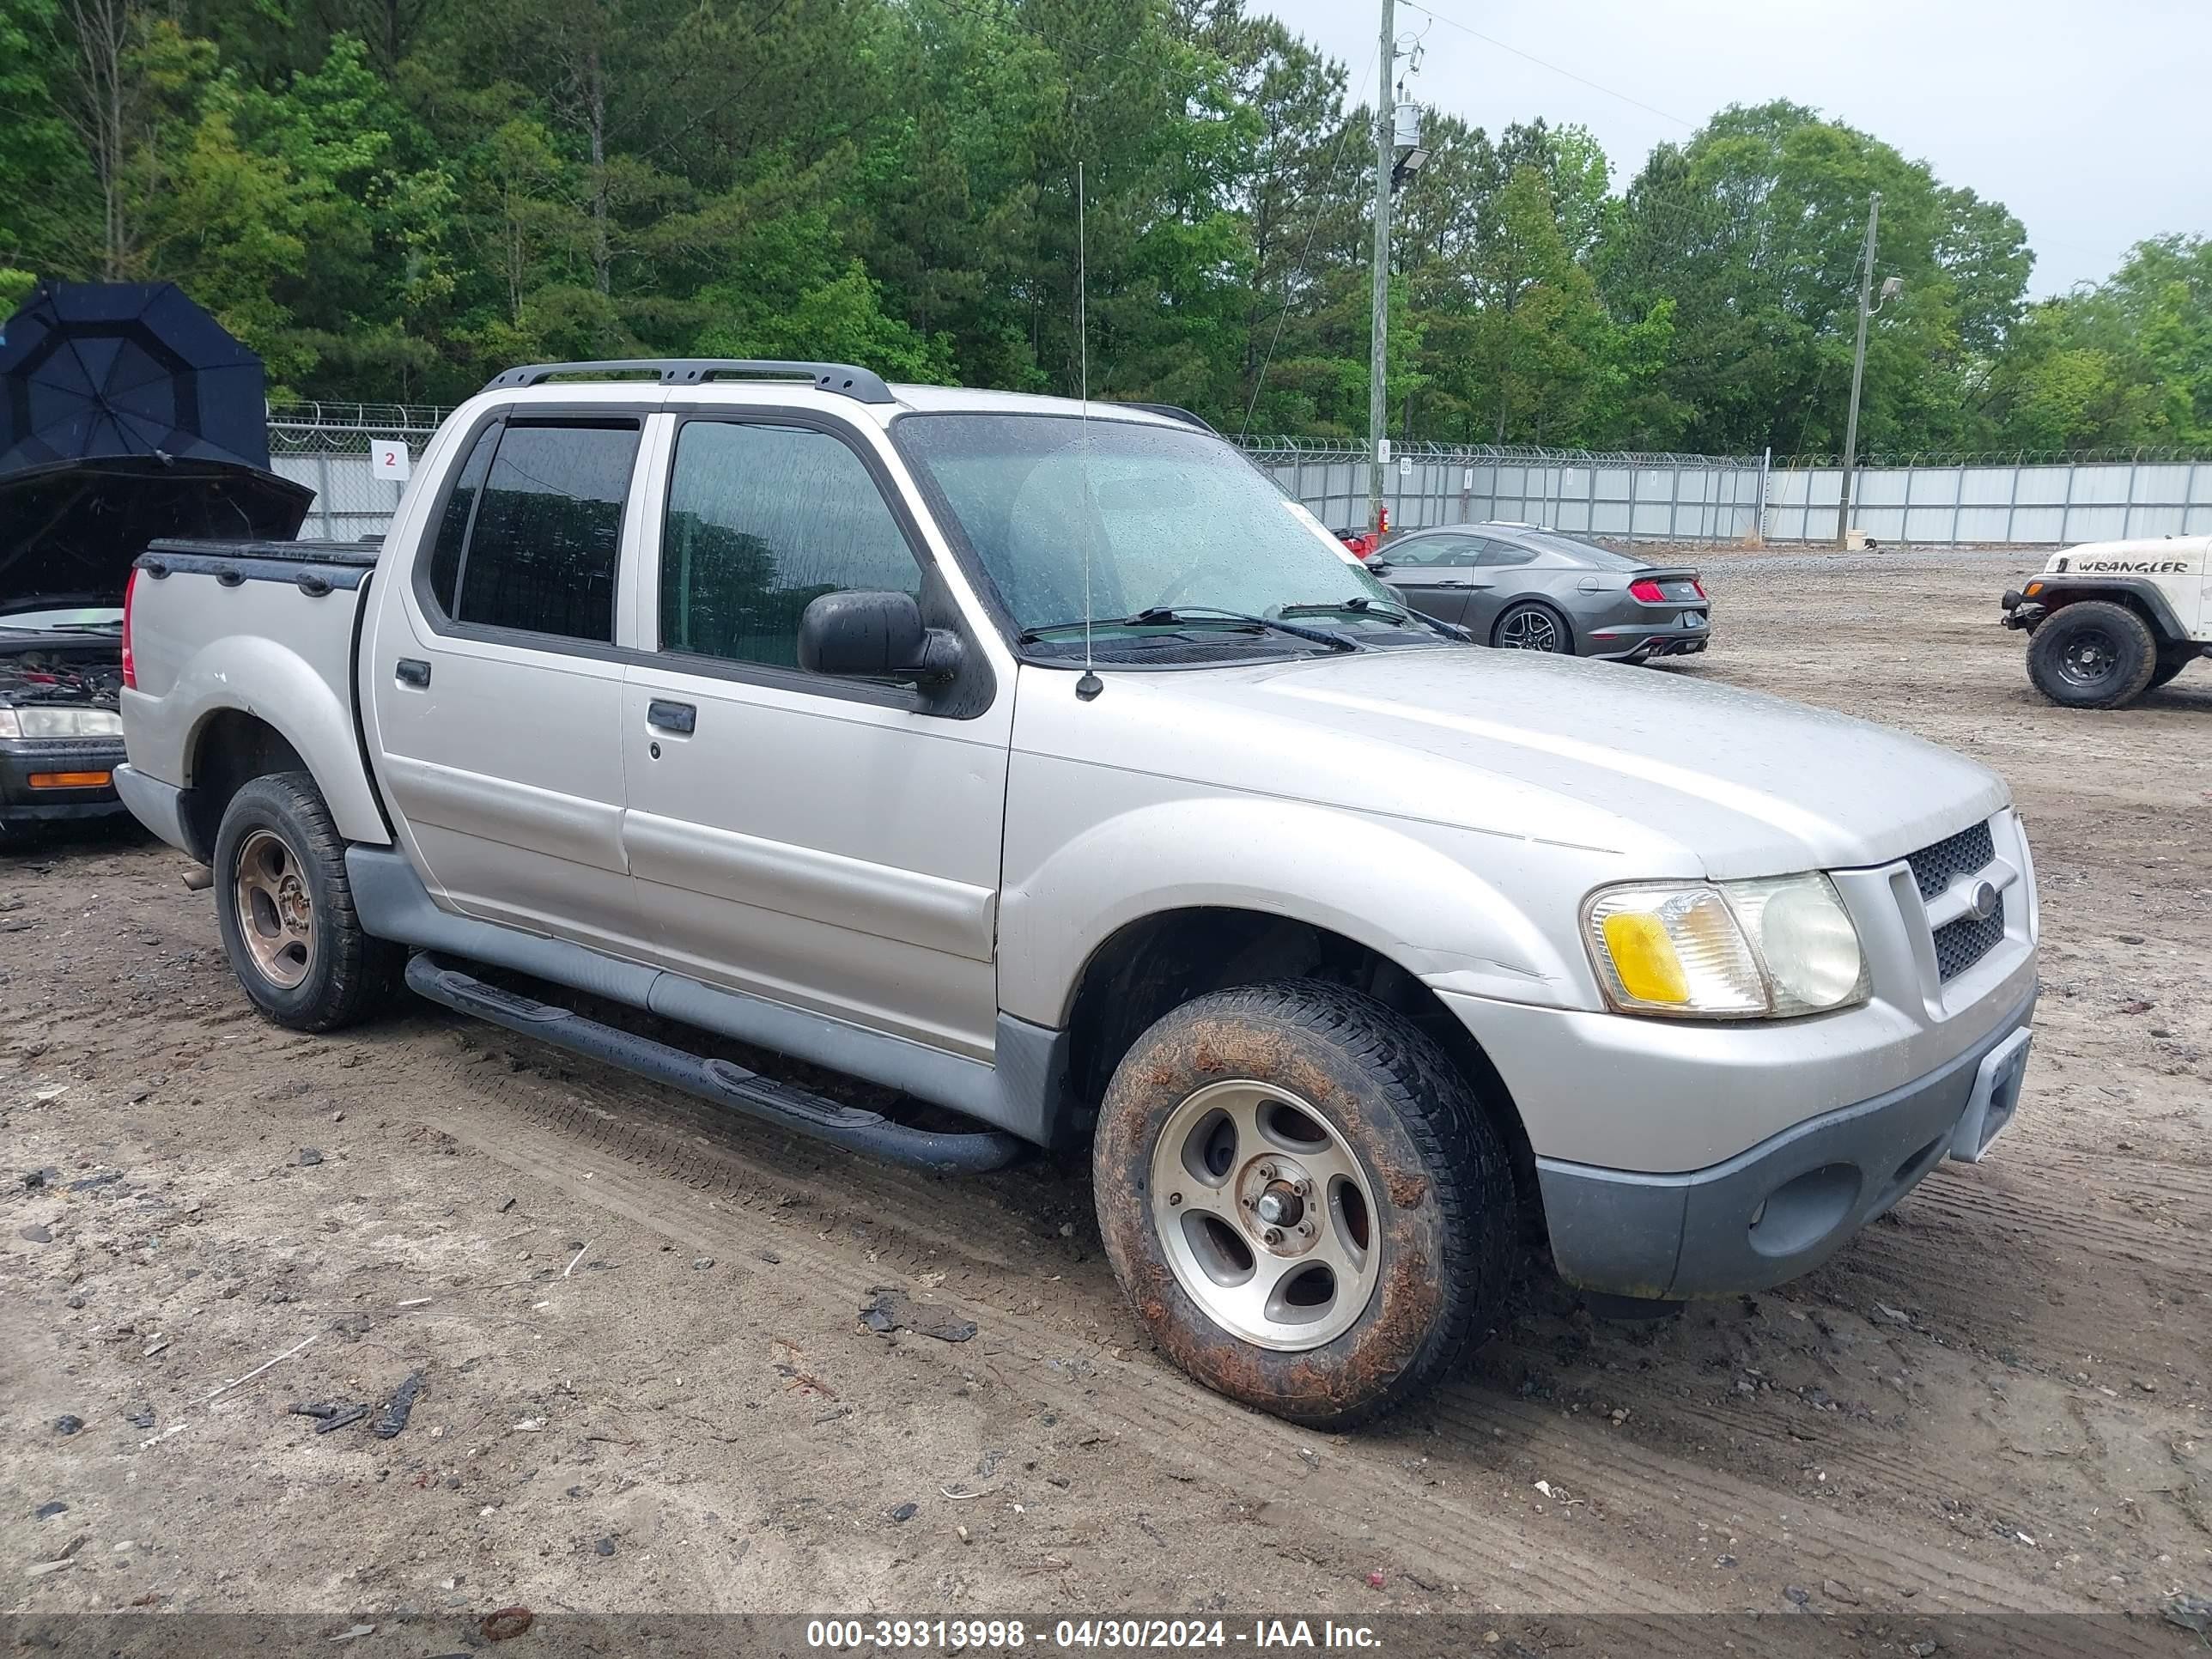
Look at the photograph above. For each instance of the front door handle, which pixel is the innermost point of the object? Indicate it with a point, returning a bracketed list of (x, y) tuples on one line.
[(411, 671), (678, 717)]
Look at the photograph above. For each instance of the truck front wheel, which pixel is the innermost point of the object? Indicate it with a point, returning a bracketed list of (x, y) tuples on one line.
[(2092, 654), (285, 910), (1302, 1200)]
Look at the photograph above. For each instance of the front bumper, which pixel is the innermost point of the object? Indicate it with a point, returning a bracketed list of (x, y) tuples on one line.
[(25, 802), (1787, 1204)]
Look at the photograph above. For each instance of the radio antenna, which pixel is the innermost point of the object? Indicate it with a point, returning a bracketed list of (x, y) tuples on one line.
[(1090, 685)]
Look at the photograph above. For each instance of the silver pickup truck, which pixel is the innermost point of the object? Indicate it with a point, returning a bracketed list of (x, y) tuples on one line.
[(1041, 761)]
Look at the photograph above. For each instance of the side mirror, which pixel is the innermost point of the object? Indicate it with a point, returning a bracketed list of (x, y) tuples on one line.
[(876, 636), (1380, 567)]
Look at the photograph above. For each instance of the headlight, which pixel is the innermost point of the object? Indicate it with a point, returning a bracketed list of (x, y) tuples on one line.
[(1732, 950), (39, 721)]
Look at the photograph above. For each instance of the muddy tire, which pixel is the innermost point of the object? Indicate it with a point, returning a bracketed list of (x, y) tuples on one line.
[(1302, 1200), (2092, 654), (285, 910)]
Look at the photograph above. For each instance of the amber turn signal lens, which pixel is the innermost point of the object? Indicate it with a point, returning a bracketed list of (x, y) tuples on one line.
[(71, 780)]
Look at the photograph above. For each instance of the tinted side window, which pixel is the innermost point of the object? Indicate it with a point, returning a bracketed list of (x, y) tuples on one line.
[(454, 523), (761, 520), (1433, 549), (548, 531), (1498, 553)]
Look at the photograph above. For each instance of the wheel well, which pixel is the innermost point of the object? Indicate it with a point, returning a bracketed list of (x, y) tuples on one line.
[(1159, 963), (231, 750), (2126, 599)]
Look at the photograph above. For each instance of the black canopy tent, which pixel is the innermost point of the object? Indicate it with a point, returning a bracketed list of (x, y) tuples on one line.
[(126, 412)]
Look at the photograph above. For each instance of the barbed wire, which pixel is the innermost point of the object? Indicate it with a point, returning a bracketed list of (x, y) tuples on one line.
[(2137, 455)]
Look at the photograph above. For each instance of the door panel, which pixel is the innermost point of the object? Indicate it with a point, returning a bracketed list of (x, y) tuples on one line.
[(1433, 574), (828, 843), (495, 689)]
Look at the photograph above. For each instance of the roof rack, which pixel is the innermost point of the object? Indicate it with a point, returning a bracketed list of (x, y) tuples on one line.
[(865, 385)]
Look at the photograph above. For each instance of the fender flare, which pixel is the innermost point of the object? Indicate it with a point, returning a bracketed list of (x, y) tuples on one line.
[(248, 674), (2148, 593), (1397, 895)]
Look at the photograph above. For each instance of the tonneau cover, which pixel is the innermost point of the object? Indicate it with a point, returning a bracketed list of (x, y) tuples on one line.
[(360, 555)]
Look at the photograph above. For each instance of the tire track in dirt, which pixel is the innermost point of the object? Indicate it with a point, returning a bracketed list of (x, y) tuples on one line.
[(1135, 1399), (727, 1196)]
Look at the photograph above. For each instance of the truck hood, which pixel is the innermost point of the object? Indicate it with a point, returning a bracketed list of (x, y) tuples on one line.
[(1695, 777), (72, 528)]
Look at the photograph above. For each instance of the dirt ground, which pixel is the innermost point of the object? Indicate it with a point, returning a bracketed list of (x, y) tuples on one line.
[(646, 1387)]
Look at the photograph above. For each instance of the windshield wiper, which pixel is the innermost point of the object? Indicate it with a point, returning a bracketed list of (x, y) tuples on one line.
[(1382, 609), (1163, 616)]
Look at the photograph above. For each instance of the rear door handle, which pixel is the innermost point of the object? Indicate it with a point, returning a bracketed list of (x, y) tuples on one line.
[(679, 717), (411, 671)]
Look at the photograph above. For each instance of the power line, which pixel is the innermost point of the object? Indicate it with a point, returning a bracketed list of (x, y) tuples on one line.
[(1541, 63)]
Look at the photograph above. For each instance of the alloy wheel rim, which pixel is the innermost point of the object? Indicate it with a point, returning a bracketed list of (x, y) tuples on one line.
[(1530, 630), (1265, 1215), (276, 909)]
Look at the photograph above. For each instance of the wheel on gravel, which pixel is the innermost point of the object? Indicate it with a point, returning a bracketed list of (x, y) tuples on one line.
[(2169, 663), (2092, 654), (285, 910), (1533, 627), (1302, 1200)]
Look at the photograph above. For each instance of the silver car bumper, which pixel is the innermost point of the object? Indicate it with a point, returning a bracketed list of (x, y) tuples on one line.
[(1790, 1203)]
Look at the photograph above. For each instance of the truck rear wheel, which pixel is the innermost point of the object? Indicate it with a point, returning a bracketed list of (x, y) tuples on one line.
[(1302, 1200), (285, 910), (2092, 654)]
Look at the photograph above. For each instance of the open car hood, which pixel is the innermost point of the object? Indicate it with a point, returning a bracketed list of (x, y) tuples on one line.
[(69, 530)]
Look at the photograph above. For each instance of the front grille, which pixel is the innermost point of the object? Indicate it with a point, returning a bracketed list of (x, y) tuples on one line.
[(1959, 944), (1967, 853)]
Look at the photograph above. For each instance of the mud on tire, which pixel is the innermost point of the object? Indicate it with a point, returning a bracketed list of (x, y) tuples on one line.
[(285, 910), (1443, 1232)]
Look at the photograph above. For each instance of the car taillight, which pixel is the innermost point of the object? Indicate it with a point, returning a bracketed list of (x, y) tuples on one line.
[(1646, 591), (1699, 584), (130, 667)]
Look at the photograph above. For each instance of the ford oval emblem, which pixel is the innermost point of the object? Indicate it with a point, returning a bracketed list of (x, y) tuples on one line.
[(1981, 903)]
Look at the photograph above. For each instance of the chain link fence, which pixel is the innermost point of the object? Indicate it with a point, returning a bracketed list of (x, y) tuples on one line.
[(328, 447), (1625, 497)]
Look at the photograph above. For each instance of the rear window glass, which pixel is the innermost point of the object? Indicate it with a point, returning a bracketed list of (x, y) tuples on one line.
[(454, 523), (541, 554), (1587, 553)]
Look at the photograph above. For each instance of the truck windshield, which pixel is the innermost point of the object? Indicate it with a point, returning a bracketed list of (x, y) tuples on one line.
[(1183, 536)]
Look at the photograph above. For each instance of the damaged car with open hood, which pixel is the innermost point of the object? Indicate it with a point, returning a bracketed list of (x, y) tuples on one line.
[(126, 413)]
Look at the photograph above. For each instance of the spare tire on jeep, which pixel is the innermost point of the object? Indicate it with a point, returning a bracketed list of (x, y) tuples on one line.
[(2093, 654)]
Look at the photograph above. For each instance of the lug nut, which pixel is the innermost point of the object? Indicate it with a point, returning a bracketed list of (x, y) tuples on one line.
[(1174, 1200), (1301, 1188), (1275, 1234)]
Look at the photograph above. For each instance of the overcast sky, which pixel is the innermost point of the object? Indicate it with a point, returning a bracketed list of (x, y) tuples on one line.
[(2091, 119)]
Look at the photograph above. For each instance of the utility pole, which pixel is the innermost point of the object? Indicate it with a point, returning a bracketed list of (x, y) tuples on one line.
[(1859, 370), (1385, 159)]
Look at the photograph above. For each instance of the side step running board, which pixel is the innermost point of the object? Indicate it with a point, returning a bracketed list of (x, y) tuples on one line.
[(717, 1080)]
